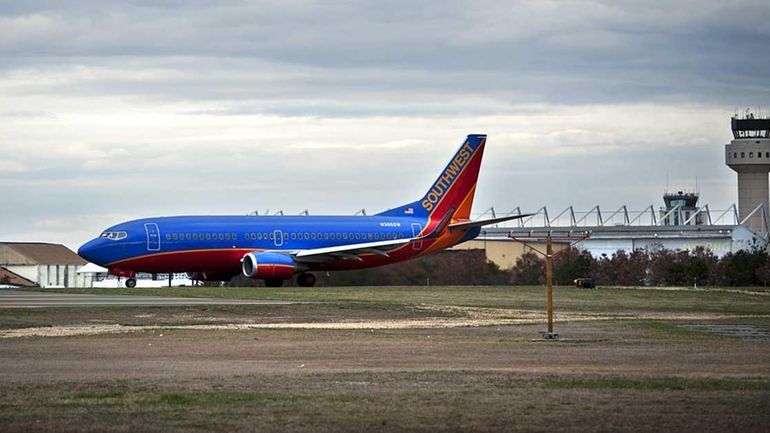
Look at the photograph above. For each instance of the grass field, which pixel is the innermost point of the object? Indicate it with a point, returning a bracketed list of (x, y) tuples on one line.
[(628, 360)]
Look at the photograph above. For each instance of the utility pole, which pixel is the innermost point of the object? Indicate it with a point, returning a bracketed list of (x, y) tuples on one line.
[(549, 335), (530, 236)]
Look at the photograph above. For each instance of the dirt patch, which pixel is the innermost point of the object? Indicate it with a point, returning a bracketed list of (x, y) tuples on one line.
[(451, 317), (744, 332)]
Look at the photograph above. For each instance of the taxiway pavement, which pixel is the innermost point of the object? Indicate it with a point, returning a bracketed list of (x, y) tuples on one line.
[(25, 299)]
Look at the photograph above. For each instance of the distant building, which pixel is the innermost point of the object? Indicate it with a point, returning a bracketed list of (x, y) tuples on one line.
[(749, 155), (99, 277), (40, 264), (681, 209)]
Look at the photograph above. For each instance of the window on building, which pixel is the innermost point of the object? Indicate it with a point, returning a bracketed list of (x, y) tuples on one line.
[(751, 154), (735, 154), (743, 154)]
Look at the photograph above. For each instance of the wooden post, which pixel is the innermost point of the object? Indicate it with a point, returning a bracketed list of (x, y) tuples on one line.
[(549, 282)]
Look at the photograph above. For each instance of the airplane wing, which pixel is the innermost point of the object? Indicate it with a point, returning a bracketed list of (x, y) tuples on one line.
[(349, 252), (479, 223)]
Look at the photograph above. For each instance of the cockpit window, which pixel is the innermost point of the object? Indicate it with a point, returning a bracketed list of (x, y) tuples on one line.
[(114, 236)]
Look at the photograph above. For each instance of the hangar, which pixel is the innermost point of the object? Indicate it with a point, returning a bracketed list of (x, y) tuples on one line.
[(40, 264), (674, 227)]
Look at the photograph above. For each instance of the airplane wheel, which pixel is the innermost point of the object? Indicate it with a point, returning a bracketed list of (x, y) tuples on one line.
[(306, 280), (273, 283), (131, 283)]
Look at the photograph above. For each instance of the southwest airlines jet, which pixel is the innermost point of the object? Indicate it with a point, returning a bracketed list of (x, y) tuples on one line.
[(276, 248)]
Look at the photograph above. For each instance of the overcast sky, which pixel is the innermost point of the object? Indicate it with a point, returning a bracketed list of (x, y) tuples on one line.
[(118, 110)]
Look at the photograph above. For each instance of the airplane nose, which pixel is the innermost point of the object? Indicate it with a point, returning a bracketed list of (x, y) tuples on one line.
[(88, 250)]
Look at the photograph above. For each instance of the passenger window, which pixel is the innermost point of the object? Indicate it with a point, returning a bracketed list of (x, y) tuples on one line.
[(168, 236), (227, 236), (175, 236), (307, 236), (371, 236), (326, 236), (344, 236), (221, 236), (293, 236), (286, 236)]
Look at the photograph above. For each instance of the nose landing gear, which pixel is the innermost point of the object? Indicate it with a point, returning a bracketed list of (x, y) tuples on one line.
[(306, 280)]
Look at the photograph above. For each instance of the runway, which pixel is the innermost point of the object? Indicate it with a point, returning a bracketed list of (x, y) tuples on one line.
[(24, 299)]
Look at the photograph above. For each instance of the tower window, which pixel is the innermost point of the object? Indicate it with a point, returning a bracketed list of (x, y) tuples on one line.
[(751, 154), (759, 154), (743, 154), (735, 154)]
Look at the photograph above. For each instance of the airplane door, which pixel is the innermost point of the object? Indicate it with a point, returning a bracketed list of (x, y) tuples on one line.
[(153, 236), (278, 238), (416, 229)]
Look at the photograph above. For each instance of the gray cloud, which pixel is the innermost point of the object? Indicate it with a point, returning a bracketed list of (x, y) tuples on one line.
[(119, 109)]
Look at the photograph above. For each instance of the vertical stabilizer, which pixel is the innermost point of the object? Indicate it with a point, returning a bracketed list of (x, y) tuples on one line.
[(454, 188)]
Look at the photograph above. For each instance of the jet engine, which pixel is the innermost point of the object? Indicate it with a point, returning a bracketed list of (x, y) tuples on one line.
[(268, 266)]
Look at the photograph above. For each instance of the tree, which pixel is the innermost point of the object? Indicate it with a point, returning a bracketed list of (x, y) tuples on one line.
[(572, 263), (740, 269), (529, 269)]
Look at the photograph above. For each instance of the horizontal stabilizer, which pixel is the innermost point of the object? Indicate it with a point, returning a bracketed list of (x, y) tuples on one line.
[(481, 223)]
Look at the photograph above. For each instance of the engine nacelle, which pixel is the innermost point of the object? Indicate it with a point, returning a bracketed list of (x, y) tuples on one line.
[(268, 266)]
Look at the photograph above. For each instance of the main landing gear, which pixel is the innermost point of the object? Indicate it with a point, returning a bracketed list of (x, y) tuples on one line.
[(131, 283), (306, 280)]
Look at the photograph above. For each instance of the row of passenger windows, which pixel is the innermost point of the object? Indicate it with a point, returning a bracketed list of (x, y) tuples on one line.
[(286, 236), (201, 236), (751, 154), (326, 236)]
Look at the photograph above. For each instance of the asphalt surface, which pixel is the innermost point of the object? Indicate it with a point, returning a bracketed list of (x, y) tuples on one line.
[(24, 299)]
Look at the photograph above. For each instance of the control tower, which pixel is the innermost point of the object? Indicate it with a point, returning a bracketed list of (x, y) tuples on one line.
[(749, 155)]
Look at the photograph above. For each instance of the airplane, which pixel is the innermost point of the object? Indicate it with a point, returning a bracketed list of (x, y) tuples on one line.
[(278, 248)]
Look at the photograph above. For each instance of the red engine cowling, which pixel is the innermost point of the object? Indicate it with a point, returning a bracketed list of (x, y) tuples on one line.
[(268, 266)]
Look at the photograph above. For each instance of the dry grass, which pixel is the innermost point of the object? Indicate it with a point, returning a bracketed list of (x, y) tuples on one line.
[(644, 367)]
